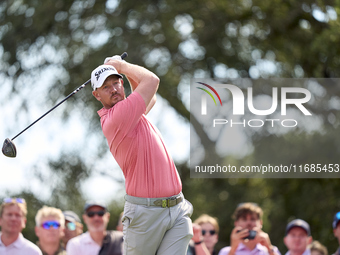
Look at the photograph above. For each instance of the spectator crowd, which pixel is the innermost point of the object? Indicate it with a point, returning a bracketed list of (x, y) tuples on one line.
[(61, 232)]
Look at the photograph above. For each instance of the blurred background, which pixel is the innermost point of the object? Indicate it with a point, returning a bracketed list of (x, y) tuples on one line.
[(49, 48)]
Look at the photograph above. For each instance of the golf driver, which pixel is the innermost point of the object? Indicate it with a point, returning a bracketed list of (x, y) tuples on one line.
[(9, 149)]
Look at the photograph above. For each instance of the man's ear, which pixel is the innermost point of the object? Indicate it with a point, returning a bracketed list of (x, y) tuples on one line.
[(84, 218), (96, 94), (36, 230), (24, 223), (261, 222), (310, 240)]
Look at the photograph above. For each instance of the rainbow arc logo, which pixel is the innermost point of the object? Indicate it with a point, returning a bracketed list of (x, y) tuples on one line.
[(207, 91), (204, 100)]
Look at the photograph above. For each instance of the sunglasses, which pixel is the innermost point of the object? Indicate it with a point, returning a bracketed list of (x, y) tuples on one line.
[(19, 200), (99, 213), (212, 232), (51, 223), (71, 226), (337, 215)]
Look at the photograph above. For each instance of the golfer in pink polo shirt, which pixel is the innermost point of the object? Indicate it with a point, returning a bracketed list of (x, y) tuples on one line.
[(156, 216)]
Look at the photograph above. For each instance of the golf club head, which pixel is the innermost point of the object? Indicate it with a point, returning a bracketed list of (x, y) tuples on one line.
[(8, 149)]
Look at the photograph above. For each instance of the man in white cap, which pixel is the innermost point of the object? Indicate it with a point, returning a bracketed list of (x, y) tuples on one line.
[(298, 237), (156, 216), (73, 226), (97, 240)]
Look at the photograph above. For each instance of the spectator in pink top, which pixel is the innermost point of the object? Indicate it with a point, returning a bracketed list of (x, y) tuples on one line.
[(156, 217)]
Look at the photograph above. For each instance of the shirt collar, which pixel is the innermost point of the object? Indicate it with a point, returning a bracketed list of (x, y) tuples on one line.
[(17, 243), (60, 249), (306, 252), (87, 238), (242, 246), (102, 112)]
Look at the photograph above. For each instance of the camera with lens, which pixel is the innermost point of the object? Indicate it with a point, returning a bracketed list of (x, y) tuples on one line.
[(251, 236)]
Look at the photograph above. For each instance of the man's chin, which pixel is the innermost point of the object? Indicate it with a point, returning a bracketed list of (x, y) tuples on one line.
[(116, 100), (97, 229)]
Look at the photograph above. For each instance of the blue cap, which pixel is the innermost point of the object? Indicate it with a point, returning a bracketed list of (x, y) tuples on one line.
[(336, 220), (298, 223)]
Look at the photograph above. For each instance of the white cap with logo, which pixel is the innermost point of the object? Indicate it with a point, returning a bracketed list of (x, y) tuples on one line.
[(99, 75)]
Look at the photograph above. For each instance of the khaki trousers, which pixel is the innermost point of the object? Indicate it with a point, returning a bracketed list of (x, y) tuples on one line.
[(151, 230)]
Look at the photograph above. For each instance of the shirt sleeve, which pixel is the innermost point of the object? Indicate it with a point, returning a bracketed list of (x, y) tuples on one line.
[(224, 251), (71, 248), (276, 250), (37, 252), (31, 248)]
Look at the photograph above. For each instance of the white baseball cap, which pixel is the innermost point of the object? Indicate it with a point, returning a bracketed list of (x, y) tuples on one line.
[(99, 75)]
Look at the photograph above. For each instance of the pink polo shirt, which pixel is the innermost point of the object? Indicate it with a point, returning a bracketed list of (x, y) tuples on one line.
[(139, 150)]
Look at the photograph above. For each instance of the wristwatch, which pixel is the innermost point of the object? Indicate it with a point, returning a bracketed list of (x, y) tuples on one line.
[(199, 242)]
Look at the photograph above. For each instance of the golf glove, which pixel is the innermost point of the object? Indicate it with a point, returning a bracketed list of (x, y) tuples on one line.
[(113, 57)]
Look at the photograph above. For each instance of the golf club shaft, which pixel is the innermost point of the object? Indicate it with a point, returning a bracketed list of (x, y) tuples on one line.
[(124, 55)]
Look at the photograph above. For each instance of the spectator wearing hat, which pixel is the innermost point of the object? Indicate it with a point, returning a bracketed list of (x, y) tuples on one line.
[(97, 240), (49, 228), (247, 237), (298, 237), (73, 226), (13, 213), (336, 230)]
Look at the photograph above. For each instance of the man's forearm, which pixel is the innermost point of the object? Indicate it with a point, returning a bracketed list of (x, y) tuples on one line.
[(136, 74), (201, 249), (142, 80), (133, 85)]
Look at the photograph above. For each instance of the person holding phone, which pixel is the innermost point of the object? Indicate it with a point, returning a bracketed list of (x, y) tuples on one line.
[(247, 236)]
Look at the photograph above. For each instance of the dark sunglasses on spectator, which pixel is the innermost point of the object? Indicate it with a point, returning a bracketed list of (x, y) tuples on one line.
[(212, 232), (50, 223), (99, 213), (71, 226), (19, 200)]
